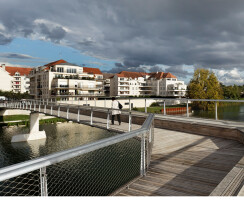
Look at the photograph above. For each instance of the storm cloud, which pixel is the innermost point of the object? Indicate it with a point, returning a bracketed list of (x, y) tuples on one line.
[(205, 33)]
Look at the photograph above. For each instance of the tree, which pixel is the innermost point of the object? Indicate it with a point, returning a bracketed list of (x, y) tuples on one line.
[(204, 85)]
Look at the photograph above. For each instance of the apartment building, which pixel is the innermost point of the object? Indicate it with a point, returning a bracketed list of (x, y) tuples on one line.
[(130, 84), (166, 85), (14, 79), (106, 83), (146, 84), (66, 81)]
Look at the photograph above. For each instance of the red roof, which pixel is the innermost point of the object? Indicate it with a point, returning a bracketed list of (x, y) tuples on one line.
[(160, 75), (91, 70), (22, 71), (55, 63), (131, 74)]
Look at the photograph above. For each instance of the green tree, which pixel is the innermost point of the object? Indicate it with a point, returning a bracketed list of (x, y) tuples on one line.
[(204, 85)]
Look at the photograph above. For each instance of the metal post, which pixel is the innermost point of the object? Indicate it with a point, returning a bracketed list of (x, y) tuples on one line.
[(39, 107), (34, 106), (45, 108), (51, 109), (59, 110), (145, 105), (67, 112), (43, 181), (108, 116), (130, 123), (143, 155), (47, 101), (216, 110), (187, 108), (129, 105), (91, 115), (164, 107), (78, 114)]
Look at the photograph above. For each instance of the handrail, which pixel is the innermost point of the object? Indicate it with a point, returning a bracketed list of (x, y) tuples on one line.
[(28, 166)]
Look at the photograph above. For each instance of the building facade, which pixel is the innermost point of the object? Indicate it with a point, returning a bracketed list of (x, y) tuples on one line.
[(14, 79), (66, 81), (146, 84)]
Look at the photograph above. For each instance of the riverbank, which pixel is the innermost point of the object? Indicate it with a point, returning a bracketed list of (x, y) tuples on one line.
[(23, 120)]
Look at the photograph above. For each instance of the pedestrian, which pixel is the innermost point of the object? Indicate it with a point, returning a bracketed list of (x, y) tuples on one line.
[(115, 105)]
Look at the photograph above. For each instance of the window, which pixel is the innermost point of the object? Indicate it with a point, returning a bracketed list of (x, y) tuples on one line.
[(17, 74), (70, 70)]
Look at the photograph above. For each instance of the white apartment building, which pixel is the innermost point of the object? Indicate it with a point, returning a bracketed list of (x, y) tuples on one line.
[(66, 81), (143, 84), (14, 79), (166, 85), (130, 84)]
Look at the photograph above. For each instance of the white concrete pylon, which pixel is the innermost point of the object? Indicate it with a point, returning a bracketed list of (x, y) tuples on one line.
[(34, 134)]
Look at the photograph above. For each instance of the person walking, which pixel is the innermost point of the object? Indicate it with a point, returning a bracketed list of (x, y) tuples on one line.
[(115, 105)]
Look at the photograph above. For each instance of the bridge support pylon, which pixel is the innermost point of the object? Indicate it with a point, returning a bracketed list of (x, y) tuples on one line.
[(34, 134)]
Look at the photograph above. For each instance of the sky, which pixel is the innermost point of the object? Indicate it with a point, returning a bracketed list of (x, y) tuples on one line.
[(127, 35)]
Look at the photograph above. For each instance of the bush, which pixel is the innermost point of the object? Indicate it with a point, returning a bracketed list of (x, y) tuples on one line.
[(154, 104)]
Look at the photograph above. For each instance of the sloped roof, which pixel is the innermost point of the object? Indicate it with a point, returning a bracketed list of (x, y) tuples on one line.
[(168, 75), (22, 71), (91, 70), (131, 74), (108, 75), (160, 75), (55, 63)]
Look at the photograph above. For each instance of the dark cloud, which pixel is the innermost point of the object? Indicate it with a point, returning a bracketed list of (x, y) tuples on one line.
[(16, 55), (205, 33), (5, 40), (54, 34)]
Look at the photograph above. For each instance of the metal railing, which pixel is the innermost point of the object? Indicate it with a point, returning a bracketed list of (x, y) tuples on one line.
[(95, 169)]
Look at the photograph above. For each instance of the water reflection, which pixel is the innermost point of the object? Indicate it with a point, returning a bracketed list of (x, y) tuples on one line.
[(59, 137)]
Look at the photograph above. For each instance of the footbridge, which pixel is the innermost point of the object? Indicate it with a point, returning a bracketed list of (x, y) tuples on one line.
[(177, 156)]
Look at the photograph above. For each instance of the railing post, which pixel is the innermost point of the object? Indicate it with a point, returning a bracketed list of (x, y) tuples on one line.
[(67, 116), (187, 108), (78, 114), (51, 109), (129, 104), (164, 107), (145, 105), (216, 110), (47, 101), (130, 122), (143, 156), (91, 115), (108, 116), (45, 108), (59, 110), (43, 181), (39, 107)]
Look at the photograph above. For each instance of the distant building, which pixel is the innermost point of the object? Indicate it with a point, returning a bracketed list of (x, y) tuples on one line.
[(66, 81), (166, 85), (106, 83), (146, 84), (14, 79), (130, 84)]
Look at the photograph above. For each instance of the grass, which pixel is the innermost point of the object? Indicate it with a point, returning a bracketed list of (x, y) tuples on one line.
[(15, 117), (25, 120)]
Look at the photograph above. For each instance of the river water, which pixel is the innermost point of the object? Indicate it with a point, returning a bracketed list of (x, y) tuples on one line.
[(231, 111), (96, 173)]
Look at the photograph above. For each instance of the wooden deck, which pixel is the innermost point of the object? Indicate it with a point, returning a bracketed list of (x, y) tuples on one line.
[(186, 165)]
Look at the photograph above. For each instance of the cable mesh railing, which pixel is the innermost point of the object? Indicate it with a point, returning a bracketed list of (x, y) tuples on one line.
[(95, 169)]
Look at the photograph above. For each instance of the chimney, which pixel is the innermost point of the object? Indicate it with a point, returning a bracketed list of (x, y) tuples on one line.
[(3, 66)]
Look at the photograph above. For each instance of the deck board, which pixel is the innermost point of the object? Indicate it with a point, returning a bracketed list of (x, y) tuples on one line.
[(184, 164)]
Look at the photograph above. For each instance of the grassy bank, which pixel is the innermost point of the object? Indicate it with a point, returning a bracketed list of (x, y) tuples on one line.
[(24, 120)]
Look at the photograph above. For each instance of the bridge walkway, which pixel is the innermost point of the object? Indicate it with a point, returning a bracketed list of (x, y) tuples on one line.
[(182, 164)]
